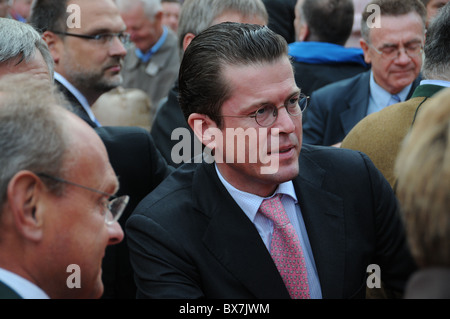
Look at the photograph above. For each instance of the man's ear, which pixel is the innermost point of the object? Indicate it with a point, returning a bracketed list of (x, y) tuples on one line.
[(204, 129), (365, 48), (54, 44), (303, 33), (25, 198), (187, 40)]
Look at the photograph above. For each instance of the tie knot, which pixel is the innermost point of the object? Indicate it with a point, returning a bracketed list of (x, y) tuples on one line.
[(273, 209)]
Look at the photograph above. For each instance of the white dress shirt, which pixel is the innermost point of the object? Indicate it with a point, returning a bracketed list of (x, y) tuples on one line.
[(250, 204), (22, 286)]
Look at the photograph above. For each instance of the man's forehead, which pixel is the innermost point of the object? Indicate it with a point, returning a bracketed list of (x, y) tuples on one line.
[(410, 25), (97, 15), (35, 66)]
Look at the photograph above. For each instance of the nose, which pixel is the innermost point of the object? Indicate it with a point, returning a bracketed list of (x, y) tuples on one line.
[(402, 56), (285, 121), (115, 233), (117, 48)]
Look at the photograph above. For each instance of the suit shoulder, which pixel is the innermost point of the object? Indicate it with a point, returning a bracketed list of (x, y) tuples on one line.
[(334, 157), (117, 133), (171, 192), (341, 85)]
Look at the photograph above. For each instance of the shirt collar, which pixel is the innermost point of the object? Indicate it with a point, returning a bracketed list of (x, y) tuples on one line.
[(78, 95), (23, 287), (381, 97), (250, 203), (145, 57), (436, 82)]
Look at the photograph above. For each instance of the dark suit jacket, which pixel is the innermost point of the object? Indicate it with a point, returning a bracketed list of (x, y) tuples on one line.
[(310, 77), (169, 118), (7, 293), (140, 168), (189, 238), (281, 17), (75, 104), (336, 108)]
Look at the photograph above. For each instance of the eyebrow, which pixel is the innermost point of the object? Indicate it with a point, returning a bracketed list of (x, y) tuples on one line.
[(103, 31), (294, 93), (389, 45)]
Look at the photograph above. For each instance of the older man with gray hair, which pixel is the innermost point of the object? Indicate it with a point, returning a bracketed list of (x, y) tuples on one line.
[(152, 63), (22, 47)]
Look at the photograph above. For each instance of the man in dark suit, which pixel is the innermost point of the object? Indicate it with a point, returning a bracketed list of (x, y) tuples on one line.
[(206, 232), (394, 50), (88, 59), (381, 134), (131, 150), (319, 56)]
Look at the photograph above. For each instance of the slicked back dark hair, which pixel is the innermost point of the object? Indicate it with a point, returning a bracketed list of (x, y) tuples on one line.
[(202, 88)]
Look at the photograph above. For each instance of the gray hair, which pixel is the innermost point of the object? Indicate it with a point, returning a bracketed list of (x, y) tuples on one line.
[(151, 7), (392, 8), (197, 15), (20, 41), (31, 130), (436, 65)]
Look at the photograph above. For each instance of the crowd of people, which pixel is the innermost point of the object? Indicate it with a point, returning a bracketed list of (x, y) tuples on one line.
[(224, 149)]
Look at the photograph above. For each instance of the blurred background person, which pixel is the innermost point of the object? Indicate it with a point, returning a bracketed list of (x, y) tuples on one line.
[(4, 8), (423, 190), (379, 135), (171, 13), (395, 53), (319, 56), (20, 10), (433, 7), (152, 62)]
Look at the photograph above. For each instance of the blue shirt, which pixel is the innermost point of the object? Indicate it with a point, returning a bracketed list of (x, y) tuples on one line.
[(379, 97), (23, 287), (250, 204)]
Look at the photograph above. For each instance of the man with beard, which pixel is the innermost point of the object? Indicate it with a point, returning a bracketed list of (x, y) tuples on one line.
[(86, 39)]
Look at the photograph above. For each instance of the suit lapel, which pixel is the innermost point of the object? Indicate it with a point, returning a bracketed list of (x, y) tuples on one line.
[(323, 214), (357, 102), (77, 108), (233, 239), (7, 293)]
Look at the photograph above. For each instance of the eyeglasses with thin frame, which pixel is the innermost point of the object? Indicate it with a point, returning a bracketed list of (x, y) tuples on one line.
[(102, 38), (393, 52), (114, 206), (267, 114)]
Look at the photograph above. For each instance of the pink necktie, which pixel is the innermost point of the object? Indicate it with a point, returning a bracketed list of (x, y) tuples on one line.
[(285, 249)]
